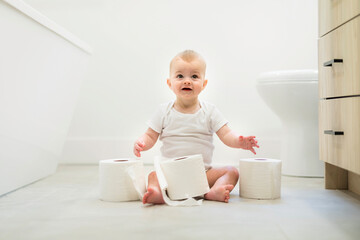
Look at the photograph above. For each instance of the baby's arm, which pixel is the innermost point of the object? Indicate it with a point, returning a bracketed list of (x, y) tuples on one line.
[(231, 139), (145, 142)]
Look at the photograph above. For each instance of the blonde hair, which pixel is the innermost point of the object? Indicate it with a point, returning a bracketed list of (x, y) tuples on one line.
[(188, 56)]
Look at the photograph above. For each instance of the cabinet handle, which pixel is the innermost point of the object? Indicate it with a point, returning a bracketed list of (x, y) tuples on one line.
[(330, 63), (332, 132)]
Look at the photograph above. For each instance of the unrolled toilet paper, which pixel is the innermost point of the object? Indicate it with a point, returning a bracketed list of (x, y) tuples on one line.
[(260, 178), (121, 180), (181, 179)]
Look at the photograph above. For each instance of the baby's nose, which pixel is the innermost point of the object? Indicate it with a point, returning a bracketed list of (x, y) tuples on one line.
[(187, 80)]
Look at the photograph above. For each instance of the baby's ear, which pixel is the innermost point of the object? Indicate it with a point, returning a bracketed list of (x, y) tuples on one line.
[(168, 82), (205, 83)]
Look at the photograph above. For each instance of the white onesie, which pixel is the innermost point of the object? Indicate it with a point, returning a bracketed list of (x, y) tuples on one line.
[(187, 134)]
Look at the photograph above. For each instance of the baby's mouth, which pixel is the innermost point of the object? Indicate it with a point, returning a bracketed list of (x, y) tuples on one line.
[(186, 89)]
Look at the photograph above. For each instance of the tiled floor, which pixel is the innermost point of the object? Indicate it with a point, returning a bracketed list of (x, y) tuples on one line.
[(66, 206)]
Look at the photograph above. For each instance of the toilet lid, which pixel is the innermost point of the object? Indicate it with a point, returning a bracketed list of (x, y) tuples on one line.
[(288, 76)]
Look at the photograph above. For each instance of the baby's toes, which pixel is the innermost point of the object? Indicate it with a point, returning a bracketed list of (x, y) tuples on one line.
[(227, 194), (227, 198)]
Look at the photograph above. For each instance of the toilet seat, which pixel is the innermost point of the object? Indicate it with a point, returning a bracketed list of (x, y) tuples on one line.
[(293, 97), (288, 76)]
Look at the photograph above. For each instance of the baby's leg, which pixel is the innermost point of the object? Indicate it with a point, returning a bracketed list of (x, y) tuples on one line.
[(221, 182), (153, 194)]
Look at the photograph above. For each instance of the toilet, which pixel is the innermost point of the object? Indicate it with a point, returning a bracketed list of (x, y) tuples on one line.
[(293, 96)]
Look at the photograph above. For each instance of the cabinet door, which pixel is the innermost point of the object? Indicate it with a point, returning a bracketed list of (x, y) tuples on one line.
[(339, 132), (339, 61), (333, 13)]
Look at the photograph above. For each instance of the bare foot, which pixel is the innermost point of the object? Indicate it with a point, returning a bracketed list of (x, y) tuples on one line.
[(153, 195), (220, 193)]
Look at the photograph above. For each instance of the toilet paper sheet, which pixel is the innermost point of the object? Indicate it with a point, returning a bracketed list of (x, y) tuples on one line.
[(181, 179), (260, 178), (121, 180)]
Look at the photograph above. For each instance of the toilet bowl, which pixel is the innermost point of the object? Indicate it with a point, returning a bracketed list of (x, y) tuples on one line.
[(293, 97)]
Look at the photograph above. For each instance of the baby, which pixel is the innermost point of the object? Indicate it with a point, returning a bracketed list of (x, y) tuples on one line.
[(186, 126)]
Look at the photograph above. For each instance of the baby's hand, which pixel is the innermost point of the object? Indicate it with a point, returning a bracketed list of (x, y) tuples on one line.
[(248, 143), (138, 147)]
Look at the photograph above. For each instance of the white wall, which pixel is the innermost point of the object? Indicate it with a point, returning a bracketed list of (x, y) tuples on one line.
[(134, 41), (41, 70)]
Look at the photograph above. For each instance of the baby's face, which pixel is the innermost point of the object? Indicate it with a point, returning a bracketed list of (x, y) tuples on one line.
[(187, 79)]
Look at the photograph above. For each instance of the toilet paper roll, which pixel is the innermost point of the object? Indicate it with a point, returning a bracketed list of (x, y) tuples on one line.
[(182, 179), (260, 178), (121, 180)]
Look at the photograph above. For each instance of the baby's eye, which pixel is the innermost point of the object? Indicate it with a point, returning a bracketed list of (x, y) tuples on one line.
[(195, 76), (179, 76)]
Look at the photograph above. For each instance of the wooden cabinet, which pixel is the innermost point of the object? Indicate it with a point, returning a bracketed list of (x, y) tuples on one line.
[(333, 13), (340, 132), (339, 92), (339, 61)]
